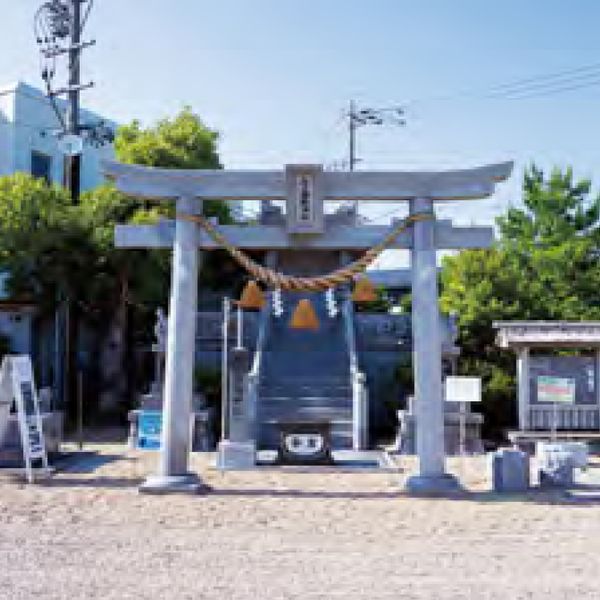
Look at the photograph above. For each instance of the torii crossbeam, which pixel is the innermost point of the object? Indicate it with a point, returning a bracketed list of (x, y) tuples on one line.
[(304, 188)]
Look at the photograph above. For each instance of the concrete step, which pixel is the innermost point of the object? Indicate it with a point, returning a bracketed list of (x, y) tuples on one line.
[(304, 400), (296, 380), (267, 391), (268, 414)]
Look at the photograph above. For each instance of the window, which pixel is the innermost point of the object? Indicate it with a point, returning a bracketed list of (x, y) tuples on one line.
[(41, 166)]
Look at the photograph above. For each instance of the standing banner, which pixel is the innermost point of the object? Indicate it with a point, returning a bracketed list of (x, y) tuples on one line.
[(16, 383)]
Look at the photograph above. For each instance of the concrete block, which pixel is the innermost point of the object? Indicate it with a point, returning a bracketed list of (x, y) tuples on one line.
[(556, 461), (578, 451), (509, 470), (236, 455)]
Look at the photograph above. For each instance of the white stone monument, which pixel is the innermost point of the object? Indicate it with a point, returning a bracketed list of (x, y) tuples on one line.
[(304, 188)]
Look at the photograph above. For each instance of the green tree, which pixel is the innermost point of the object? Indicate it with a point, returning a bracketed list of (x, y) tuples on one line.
[(183, 142), (543, 266)]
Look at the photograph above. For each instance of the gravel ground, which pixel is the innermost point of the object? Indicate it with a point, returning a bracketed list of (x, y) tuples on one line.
[(87, 533)]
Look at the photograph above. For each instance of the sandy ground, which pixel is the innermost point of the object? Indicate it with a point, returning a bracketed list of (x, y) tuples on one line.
[(87, 533)]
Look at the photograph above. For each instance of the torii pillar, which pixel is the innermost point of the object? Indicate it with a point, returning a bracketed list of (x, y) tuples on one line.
[(304, 188), (427, 352), (173, 474)]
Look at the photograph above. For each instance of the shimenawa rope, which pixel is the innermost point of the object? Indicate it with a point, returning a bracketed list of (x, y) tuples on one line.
[(314, 284)]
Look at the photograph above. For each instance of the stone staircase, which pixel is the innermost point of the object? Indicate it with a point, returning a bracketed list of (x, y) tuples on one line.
[(305, 376)]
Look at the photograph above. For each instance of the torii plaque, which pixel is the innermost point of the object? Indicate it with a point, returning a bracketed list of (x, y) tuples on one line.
[(305, 187)]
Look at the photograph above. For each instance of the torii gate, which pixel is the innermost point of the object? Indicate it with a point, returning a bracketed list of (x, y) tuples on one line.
[(304, 188)]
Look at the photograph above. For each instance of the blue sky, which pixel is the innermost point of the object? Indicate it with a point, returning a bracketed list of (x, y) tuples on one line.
[(274, 76)]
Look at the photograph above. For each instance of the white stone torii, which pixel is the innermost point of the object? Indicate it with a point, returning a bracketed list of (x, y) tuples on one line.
[(308, 230)]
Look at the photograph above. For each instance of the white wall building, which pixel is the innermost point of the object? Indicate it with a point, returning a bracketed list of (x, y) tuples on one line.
[(28, 143)]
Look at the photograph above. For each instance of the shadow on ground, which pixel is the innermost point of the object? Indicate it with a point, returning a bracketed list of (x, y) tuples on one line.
[(87, 461), (578, 495)]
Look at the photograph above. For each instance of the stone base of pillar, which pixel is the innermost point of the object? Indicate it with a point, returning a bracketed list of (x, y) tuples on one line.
[(189, 483), (432, 485), (236, 455)]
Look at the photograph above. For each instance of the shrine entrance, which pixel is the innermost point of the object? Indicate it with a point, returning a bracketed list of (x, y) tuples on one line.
[(304, 189)]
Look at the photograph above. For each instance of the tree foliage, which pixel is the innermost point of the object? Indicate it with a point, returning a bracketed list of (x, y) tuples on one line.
[(183, 142), (544, 266)]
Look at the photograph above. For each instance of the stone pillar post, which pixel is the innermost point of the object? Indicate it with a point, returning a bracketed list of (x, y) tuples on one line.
[(523, 387), (597, 383), (427, 353), (238, 451), (173, 475)]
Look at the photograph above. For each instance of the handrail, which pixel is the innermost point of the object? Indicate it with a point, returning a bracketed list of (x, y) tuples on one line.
[(348, 312), (252, 378), (261, 338), (360, 394)]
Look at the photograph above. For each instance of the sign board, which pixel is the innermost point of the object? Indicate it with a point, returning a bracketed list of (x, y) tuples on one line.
[(555, 389), (16, 383), (463, 389), (149, 429), (304, 202)]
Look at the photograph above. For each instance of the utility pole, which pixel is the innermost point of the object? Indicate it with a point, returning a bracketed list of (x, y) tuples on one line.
[(352, 135), (59, 25), (392, 115), (73, 162)]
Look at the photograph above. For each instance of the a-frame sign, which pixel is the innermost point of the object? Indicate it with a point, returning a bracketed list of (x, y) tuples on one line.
[(17, 384)]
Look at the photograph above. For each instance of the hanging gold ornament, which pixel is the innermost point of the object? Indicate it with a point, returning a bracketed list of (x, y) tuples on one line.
[(252, 296), (364, 290), (304, 316)]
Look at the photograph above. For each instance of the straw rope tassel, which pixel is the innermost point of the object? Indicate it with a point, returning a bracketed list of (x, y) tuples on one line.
[(304, 316)]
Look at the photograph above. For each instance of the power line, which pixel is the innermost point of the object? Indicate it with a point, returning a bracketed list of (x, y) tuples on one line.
[(367, 116), (547, 83)]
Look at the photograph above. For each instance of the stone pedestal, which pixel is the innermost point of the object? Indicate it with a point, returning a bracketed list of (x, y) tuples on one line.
[(406, 435), (188, 483), (236, 455), (509, 470), (238, 451)]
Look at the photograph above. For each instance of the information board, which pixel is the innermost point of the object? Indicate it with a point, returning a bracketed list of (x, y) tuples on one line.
[(555, 389), (149, 429), (463, 389)]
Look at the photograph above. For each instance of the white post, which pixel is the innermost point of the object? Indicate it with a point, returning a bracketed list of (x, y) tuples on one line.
[(173, 473), (225, 370), (523, 387), (240, 330), (427, 352)]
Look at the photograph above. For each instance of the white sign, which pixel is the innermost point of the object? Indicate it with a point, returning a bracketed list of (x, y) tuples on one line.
[(70, 145), (304, 202), (16, 370), (463, 389)]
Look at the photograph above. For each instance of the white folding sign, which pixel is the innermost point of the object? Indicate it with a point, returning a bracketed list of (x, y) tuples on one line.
[(16, 382), (463, 389)]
